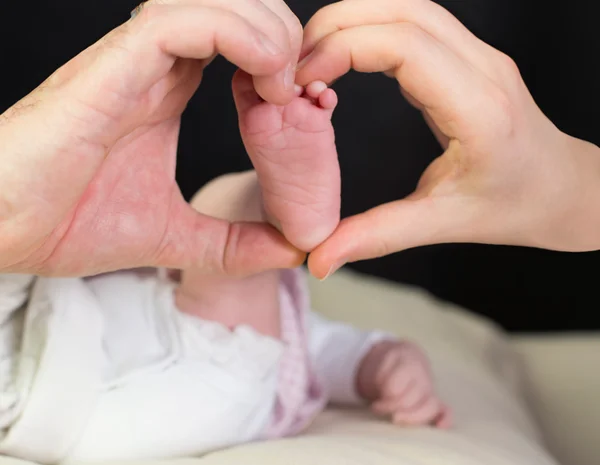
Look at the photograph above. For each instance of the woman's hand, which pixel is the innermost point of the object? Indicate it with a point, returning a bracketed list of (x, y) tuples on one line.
[(507, 175), (87, 160)]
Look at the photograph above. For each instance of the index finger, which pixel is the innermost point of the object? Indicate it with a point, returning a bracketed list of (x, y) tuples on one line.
[(432, 18), (454, 93), (264, 85), (274, 19), (160, 34)]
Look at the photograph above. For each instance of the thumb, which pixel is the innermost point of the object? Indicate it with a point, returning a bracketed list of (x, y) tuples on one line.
[(396, 226), (219, 247)]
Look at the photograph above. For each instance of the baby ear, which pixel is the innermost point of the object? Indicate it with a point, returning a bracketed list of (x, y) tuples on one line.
[(231, 197)]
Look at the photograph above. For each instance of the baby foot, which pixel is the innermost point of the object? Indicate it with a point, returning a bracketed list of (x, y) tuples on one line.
[(293, 151)]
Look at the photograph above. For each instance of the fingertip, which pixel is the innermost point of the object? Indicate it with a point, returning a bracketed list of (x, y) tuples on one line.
[(259, 247), (381, 408), (316, 268), (244, 93), (318, 66), (241, 79), (323, 269), (444, 420), (279, 88), (331, 255), (399, 420), (308, 238), (271, 89), (444, 424)]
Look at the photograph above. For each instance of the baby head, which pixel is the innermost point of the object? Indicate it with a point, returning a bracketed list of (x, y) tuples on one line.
[(231, 197), (231, 301)]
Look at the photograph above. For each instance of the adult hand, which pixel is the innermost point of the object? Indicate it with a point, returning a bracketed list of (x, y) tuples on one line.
[(87, 160), (507, 174)]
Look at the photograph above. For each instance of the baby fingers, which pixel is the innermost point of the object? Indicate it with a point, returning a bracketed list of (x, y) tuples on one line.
[(414, 395), (424, 414), (444, 419)]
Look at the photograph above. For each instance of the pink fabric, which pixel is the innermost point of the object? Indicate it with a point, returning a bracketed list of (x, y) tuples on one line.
[(300, 394)]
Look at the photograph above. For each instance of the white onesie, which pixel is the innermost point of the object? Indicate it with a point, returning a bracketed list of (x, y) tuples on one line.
[(106, 368)]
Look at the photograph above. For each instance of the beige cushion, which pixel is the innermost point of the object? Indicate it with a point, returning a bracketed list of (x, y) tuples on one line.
[(563, 378)]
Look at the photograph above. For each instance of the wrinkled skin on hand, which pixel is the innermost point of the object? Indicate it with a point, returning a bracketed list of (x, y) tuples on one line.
[(88, 159)]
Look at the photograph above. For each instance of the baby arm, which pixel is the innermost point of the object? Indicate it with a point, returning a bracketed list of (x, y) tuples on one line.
[(391, 375)]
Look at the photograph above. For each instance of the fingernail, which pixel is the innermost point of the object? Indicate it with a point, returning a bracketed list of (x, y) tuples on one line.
[(298, 90), (268, 45), (289, 78), (304, 60), (316, 88), (335, 267)]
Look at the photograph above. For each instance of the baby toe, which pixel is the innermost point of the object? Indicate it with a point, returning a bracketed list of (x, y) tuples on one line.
[(315, 89), (328, 99), (322, 95), (425, 414)]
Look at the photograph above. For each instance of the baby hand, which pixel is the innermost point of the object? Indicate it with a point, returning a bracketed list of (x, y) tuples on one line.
[(395, 377)]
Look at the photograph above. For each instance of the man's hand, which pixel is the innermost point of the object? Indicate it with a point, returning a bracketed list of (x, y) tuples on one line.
[(87, 160)]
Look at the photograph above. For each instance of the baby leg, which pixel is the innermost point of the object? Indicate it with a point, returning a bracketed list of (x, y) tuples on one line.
[(252, 301)]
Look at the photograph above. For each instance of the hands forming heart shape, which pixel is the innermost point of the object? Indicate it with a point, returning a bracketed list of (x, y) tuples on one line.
[(87, 179)]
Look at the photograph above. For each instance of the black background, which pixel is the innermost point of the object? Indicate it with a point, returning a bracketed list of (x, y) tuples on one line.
[(383, 143)]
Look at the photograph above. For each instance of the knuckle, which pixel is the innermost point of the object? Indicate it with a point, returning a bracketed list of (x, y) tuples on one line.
[(226, 263), (411, 34), (113, 40), (325, 16), (508, 72), (492, 112), (296, 30), (501, 112), (276, 28), (149, 12), (507, 65), (381, 248)]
